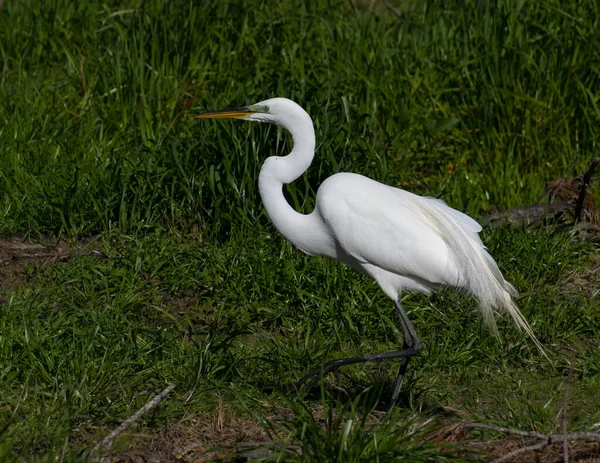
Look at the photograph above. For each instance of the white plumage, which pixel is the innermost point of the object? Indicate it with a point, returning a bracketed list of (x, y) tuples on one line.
[(403, 241)]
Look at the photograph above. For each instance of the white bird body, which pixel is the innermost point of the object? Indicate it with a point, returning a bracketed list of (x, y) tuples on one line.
[(359, 212), (402, 240), (354, 212)]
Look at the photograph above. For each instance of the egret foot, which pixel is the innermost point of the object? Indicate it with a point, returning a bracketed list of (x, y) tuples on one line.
[(412, 346)]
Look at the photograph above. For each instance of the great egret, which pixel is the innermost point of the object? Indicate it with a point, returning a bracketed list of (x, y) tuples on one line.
[(403, 241)]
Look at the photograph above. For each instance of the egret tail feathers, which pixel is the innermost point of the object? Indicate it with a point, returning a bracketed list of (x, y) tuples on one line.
[(478, 273)]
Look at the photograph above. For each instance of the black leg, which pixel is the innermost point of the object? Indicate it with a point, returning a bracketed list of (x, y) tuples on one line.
[(411, 343), (412, 346)]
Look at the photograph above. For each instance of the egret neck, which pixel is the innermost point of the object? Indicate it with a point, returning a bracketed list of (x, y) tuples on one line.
[(304, 231)]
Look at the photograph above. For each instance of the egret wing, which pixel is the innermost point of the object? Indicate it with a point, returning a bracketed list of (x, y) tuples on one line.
[(387, 227)]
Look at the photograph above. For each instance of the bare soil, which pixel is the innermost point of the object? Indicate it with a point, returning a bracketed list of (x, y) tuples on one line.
[(220, 437), (20, 258)]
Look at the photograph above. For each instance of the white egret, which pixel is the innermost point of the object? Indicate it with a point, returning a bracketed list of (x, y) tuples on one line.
[(403, 241)]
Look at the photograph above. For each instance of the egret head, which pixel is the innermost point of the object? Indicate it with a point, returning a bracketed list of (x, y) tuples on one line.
[(275, 111)]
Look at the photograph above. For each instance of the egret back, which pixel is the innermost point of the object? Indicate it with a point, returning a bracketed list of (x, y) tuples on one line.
[(414, 237)]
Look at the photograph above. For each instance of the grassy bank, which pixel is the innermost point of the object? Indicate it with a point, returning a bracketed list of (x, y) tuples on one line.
[(159, 265)]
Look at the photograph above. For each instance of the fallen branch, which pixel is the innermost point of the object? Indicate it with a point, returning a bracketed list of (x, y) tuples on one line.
[(574, 199), (550, 438), (545, 439), (107, 442), (513, 453), (527, 215)]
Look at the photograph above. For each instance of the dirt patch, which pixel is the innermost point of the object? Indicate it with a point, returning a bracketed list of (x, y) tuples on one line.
[(196, 438), (495, 449), (219, 437), (19, 258), (578, 452)]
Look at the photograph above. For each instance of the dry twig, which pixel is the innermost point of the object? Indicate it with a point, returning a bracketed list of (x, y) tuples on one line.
[(545, 439), (527, 214), (107, 442), (573, 198), (516, 452)]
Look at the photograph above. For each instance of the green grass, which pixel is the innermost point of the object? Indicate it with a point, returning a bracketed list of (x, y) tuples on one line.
[(479, 103)]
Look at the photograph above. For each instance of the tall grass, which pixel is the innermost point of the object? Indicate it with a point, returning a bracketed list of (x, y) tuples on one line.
[(480, 103)]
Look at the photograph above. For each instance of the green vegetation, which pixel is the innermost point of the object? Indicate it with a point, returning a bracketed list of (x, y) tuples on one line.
[(174, 273)]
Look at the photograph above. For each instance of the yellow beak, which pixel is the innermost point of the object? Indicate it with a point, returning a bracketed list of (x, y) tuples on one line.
[(232, 113)]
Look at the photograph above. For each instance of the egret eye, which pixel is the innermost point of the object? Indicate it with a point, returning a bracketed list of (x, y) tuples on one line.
[(261, 109)]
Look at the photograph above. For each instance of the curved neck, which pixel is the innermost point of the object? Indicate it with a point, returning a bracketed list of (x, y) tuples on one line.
[(306, 232), (288, 168)]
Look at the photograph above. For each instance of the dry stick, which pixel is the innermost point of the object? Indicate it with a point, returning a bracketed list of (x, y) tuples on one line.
[(516, 432), (150, 405), (549, 438), (531, 214), (546, 439), (510, 455), (586, 183), (526, 214)]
